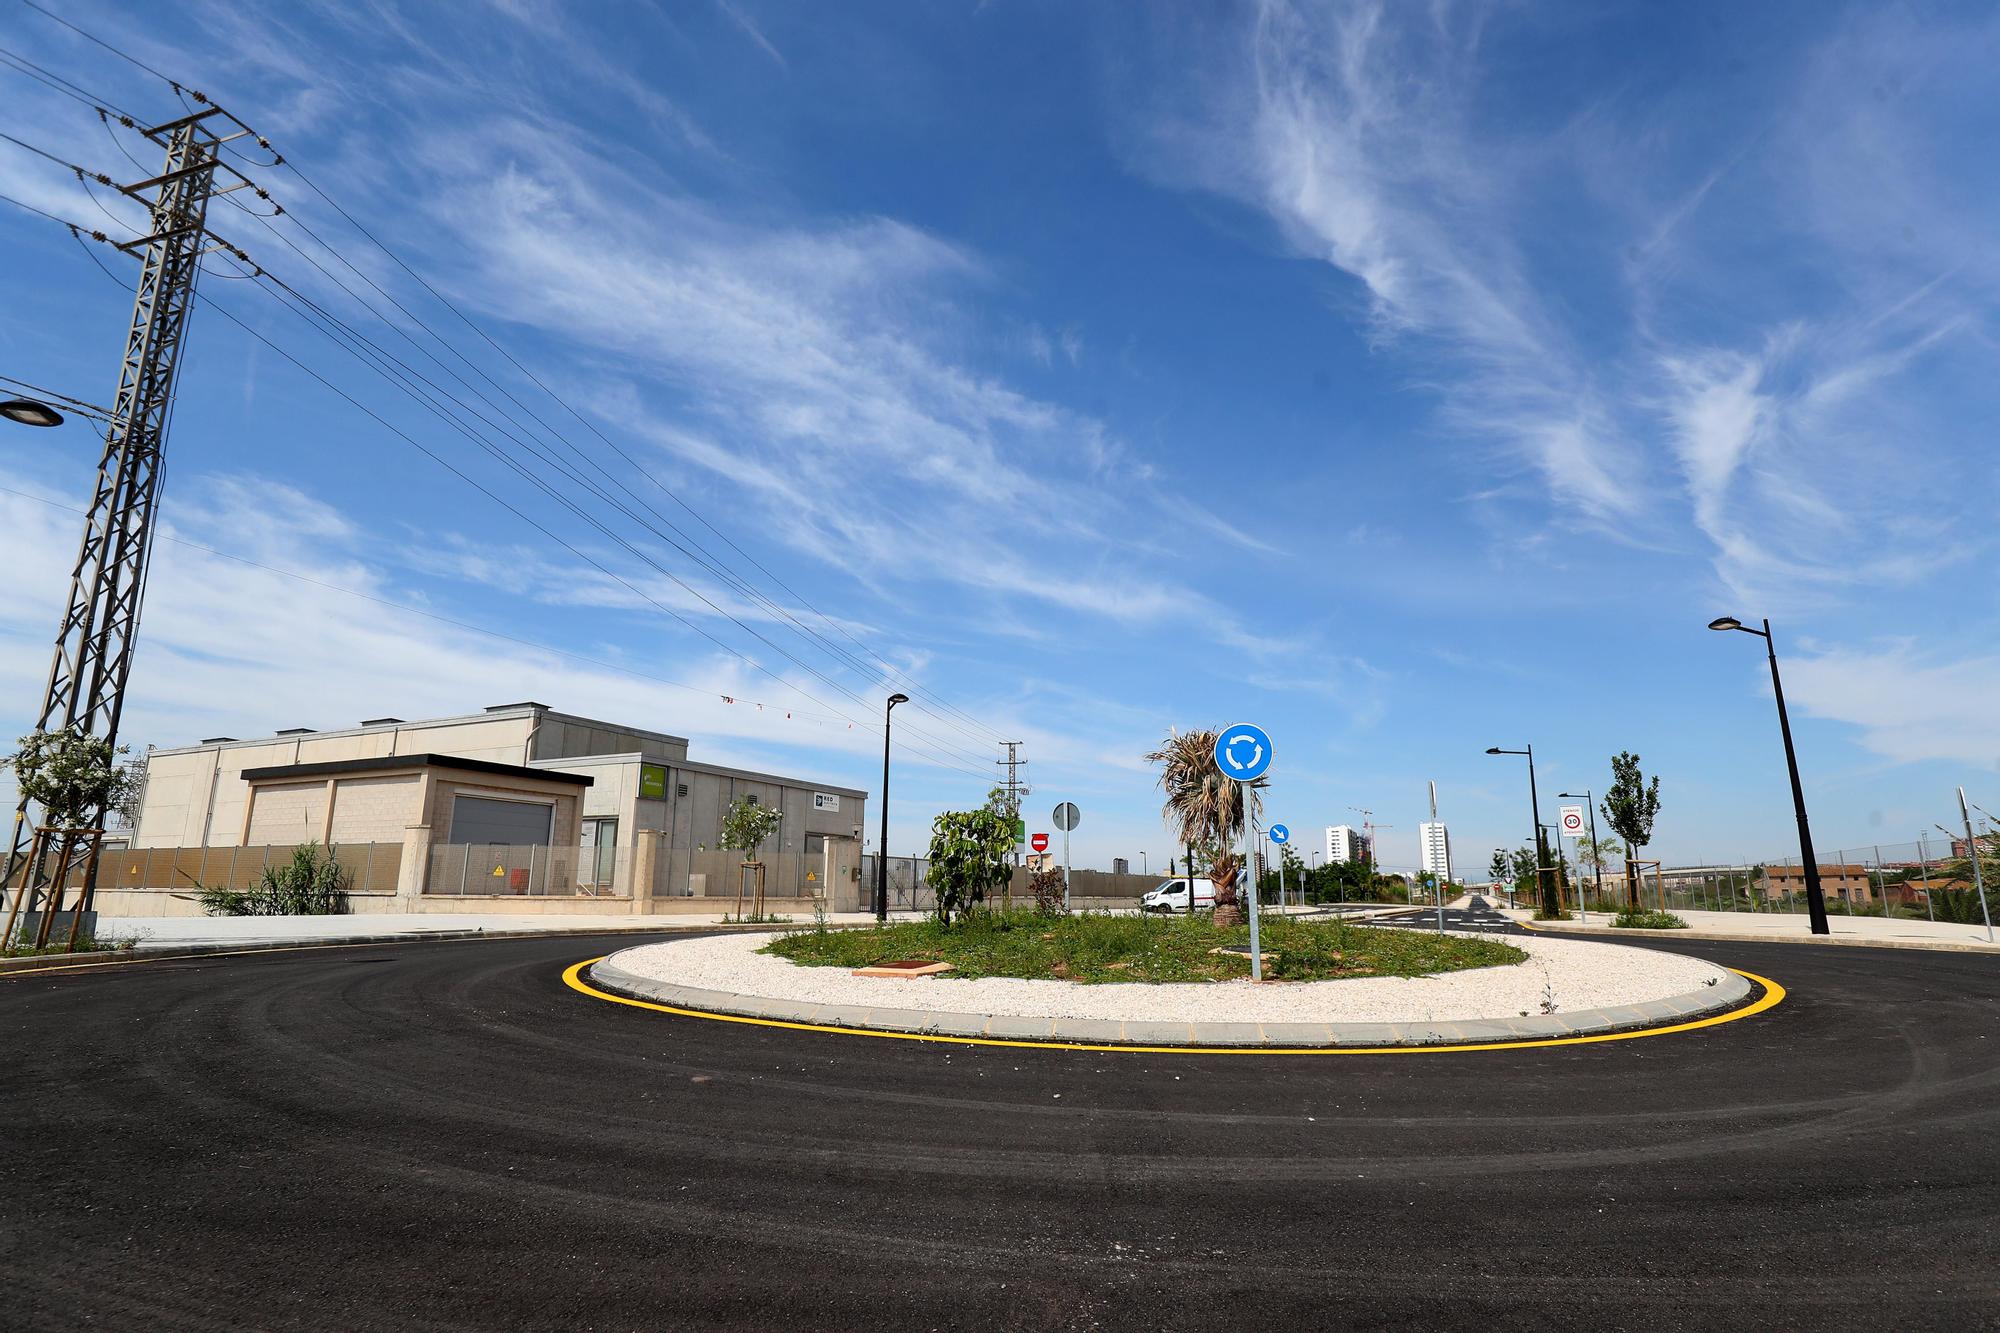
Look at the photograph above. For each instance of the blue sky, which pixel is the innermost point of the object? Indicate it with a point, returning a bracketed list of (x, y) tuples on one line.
[(1408, 379)]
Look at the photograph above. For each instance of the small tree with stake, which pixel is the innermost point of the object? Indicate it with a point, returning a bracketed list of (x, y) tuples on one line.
[(1629, 807), (74, 777), (746, 827), (969, 857)]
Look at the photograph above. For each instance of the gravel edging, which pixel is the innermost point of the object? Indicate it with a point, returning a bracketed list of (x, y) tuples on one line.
[(1729, 992)]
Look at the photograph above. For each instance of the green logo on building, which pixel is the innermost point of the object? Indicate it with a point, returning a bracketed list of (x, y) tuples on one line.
[(652, 782)]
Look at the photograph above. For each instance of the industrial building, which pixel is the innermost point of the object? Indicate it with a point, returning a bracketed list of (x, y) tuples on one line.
[(536, 809)]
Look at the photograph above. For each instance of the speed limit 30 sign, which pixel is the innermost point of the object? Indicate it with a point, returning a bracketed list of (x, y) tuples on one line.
[(1572, 820)]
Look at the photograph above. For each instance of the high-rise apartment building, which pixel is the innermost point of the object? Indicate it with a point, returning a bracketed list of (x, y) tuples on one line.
[(1346, 844), (1434, 842)]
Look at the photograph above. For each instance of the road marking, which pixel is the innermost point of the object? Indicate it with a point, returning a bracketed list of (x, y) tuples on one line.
[(1773, 993)]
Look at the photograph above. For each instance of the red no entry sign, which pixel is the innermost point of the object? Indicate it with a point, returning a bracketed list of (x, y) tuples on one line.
[(1040, 842)]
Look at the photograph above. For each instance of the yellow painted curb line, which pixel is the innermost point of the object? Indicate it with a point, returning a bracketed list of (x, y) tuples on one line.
[(1773, 993)]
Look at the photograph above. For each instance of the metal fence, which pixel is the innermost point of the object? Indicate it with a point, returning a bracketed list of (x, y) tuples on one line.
[(371, 867), (533, 871), (715, 873), (1930, 878), (909, 889)]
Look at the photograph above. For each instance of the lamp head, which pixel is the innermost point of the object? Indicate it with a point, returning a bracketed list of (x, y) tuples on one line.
[(1493, 749), (1725, 622), (28, 412), (895, 699)]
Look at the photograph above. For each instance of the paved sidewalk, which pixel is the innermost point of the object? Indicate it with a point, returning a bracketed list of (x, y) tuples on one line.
[(173, 932), (1776, 927)]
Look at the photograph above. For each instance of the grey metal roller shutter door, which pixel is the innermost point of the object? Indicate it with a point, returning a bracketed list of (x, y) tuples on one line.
[(487, 823)]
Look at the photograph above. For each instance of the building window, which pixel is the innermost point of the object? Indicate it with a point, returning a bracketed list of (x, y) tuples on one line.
[(815, 844), (599, 861)]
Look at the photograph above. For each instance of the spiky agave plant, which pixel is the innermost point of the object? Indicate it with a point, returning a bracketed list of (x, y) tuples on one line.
[(1205, 808)]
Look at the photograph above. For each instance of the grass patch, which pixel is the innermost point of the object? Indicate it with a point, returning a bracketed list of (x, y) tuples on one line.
[(84, 944), (1097, 949), (1649, 921)]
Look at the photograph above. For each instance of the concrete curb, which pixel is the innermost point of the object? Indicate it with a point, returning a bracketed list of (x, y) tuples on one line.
[(168, 952), (1726, 994), (1735, 937)]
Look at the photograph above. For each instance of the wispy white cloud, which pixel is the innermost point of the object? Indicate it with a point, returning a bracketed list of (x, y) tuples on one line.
[(1909, 704), (1354, 129), (1658, 374)]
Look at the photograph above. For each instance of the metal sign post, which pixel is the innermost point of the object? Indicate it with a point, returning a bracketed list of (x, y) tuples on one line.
[(1972, 850), (1066, 816), (1281, 835), (1243, 754)]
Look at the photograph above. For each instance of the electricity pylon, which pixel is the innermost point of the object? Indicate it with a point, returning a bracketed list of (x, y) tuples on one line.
[(99, 629)]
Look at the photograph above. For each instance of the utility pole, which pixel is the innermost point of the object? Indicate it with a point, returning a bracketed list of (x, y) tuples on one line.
[(99, 628), (1013, 786)]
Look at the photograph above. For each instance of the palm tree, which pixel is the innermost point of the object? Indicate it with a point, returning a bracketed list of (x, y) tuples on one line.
[(1205, 808)]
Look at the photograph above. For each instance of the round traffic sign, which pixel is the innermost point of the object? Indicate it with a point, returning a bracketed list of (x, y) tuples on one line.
[(1572, 820), (1242, 752), (1040, 842), (1066, 816), (1280, 834)]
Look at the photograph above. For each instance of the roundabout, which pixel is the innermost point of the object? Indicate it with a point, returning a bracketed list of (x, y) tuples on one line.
[(1557, 990), (445, 1134)]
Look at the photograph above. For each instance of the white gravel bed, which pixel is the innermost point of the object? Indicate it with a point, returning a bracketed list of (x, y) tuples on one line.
[(1571, 974)]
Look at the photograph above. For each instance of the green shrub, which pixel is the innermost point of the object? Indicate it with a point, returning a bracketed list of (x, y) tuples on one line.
[(311, 884), (1047, 886), (969, 857), (1649, 921)]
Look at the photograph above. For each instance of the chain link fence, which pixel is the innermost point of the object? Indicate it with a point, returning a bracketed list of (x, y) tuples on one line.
[(1927, 879)]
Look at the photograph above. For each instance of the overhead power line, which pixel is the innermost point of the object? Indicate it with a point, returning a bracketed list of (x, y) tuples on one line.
[(402, 374), (789, 710), (916, 749), (984, 732)]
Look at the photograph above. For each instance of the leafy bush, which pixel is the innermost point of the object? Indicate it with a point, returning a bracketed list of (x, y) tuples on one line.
[(1960, 906), (312, 884), (1047, 886), (969, 856), (1649, 921)]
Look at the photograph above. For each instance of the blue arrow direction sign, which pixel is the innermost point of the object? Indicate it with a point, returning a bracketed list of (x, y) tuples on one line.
[(1243, 752), (1280, 834)]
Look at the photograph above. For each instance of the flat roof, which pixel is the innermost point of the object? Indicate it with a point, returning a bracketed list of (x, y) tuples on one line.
[(391, 762), (388, 724), (695, 766)]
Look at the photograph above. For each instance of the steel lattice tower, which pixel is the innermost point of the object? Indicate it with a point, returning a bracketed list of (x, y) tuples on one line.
[(94, 643)]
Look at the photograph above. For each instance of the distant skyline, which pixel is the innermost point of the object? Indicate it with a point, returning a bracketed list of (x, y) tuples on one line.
[(1407, 379)]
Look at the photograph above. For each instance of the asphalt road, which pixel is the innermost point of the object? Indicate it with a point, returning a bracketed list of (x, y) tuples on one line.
[(442, 1135), (1477, 914)]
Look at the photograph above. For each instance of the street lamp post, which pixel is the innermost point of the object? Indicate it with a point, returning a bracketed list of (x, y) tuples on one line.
[(1551, 905), (1815, 897), (28, 412), (882, 847), (1589, 804)]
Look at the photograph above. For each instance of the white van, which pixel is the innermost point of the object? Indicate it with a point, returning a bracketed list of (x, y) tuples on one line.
[(1172, 895)]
